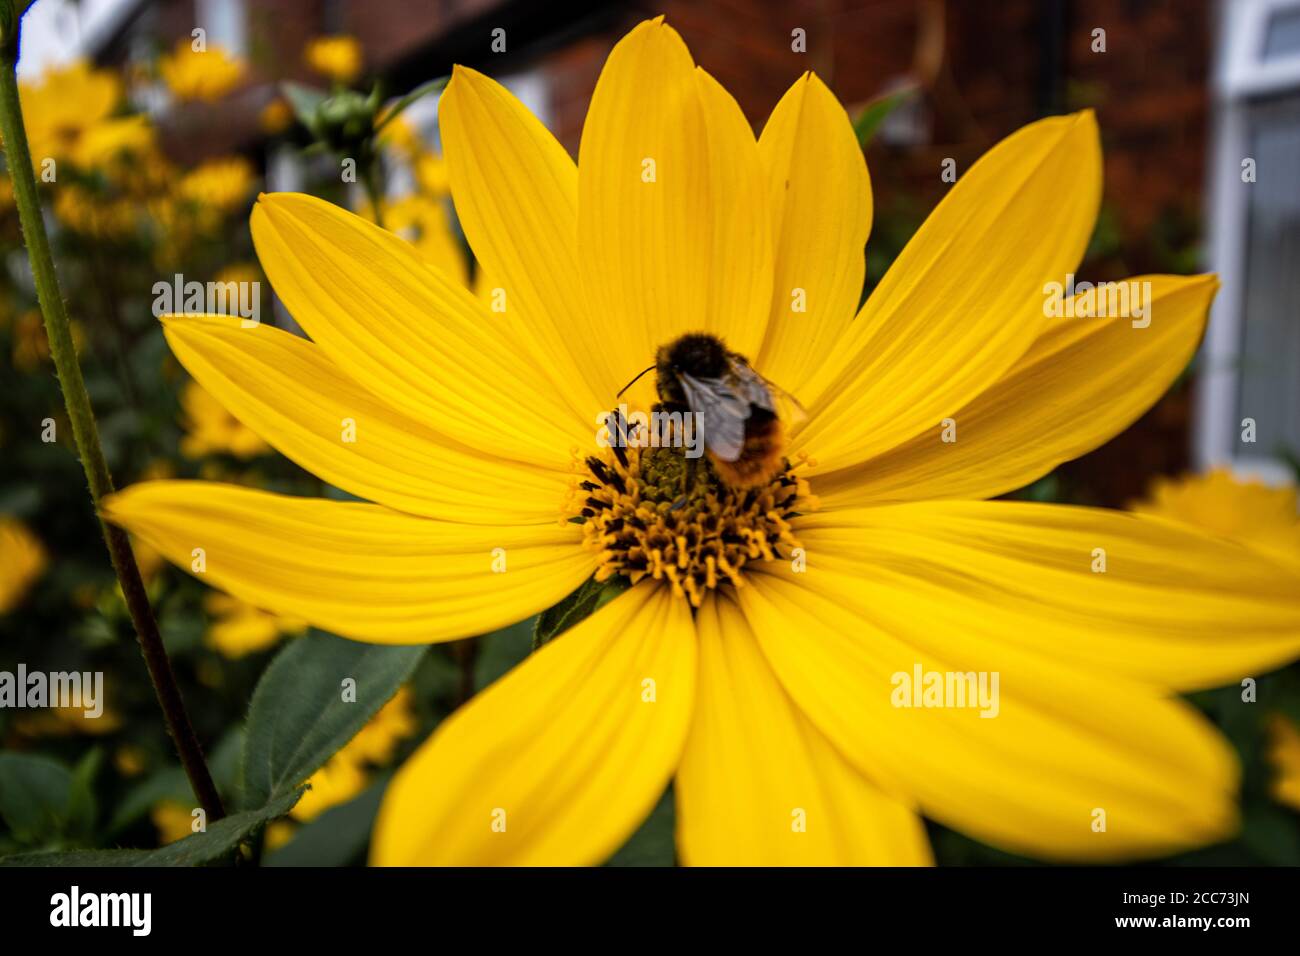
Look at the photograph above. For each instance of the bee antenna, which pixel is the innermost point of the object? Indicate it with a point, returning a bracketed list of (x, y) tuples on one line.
[(633, 382)]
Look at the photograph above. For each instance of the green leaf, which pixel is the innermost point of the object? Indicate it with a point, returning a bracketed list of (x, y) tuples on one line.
[(874, 113), (299, 719), (83, 808), (590, 597), (34, 794), (305, 101), (218, 842)]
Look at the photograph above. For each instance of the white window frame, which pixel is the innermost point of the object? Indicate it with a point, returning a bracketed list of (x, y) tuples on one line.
[(1239, 77)]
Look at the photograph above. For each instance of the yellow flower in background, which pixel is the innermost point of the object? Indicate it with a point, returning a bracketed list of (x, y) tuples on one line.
[(23, 560), (1284, 755), (1257, 515), (129, 137), (63, 105), (336, 57), (85, 212), (431, 175), (375, 743), (425, 223), (64, 721), (275, 117), (399, 135), (238, 628), (220, 184), (345, 775), (211, 430), (753, 658), (173, 820), (194, 75)]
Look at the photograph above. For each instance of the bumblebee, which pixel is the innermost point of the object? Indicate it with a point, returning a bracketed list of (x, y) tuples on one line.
[(742, 432)]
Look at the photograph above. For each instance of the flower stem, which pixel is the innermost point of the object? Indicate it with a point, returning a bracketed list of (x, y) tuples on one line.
[(82, 417)]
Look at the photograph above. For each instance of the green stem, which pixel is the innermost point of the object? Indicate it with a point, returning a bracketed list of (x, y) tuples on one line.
[(82, 417)]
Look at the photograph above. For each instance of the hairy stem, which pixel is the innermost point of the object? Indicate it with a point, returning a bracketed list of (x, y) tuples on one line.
[(82, 417)]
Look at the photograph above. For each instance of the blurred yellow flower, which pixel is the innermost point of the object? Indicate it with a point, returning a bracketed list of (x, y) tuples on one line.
[(23, 559), (337, 782), (210, 429), (220, 184), (425, 224), (63, 721), (239, 628), (114, 139), (337, 57), (344, 775), (130, 760), (1258, 516), (174, 820), (399, 135), (63, 104), (206, 75), (31, 348), (431, 175), (84, 212), (1284, 755), (275, 117), (277, 834)]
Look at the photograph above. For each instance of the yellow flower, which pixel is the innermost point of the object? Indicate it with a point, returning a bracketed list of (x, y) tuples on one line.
[(275, 117), (344, 775), (337, 57), (90, 214), (210, 429), (220, 184), (23, 560), (240, 629), (754, 658), (173, 820), (1250, 512), (376, 741), (205, 75), (63, 105), (112, 141), (1284, 754), (425, 224), (62, 721), (431, 174)]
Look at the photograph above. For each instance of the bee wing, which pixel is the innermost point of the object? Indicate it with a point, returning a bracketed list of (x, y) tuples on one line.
[(764, 393), (723, 414)]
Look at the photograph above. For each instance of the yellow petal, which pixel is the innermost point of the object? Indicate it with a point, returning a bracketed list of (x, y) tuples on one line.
[(423, 343), (673, 225), (1081, 383), (516, 194), (759, 785), (355, 569), (557, 762), (820, 201), (965, 298), (286, 390), (1066, 753), (1174, 607)]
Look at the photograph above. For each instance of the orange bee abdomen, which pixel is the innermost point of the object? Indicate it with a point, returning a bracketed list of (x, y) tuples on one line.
[(760, 459)]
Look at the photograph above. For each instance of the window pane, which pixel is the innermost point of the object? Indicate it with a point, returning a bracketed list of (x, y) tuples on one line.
[(1282, 38), (1270, 359)]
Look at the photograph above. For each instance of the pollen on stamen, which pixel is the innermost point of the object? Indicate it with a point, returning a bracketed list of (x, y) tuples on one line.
[(651, 512)]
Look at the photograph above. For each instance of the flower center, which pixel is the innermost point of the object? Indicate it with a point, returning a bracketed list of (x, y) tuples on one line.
[(653, 511)]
